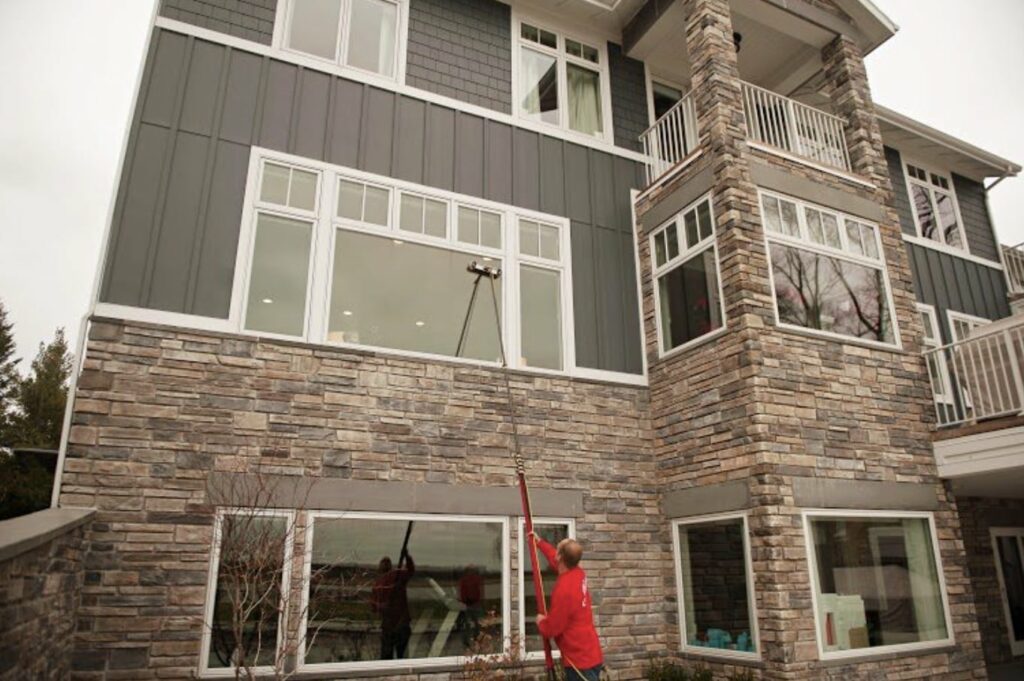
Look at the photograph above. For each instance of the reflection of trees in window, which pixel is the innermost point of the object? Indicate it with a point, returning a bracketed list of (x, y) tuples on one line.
[(830, 294)]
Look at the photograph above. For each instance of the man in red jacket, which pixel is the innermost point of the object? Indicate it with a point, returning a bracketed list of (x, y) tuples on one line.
[(570, 620)]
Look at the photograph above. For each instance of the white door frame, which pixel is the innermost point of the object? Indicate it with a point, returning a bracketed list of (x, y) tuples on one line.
[(1016, 647)]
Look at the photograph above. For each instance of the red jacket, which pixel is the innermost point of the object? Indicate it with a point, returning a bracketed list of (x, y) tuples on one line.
[(570, 620)]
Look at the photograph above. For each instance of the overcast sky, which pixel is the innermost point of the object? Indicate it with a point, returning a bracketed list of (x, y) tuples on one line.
[(69, 67)]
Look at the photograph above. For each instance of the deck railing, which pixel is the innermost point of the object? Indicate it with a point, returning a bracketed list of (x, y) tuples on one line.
[(981, 377), (794, 127), (1013, 258), (671, 138)]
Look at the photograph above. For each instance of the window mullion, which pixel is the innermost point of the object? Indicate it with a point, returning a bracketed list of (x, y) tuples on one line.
[(322, 259), (344, 22)]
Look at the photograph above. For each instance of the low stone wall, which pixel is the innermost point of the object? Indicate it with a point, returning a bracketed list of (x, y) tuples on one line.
[(41, 576)]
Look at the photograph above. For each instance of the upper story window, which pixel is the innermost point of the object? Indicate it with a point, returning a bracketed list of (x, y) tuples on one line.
[(687, 290), (663, 97), (827, 270), (337, 256), (938, 369), (935, 208), (562, 81), (362, 34)]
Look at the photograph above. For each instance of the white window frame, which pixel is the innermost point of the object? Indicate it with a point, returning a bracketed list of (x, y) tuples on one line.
[(703, 651), (282, 26), (1016, 646), (321, 262), (204, 670), (812, 560), (521, 575), (562, 58), (973, 321), (946, 398), (667, 82), (805, 243), (940, 243), (657, 271), (418, 663)]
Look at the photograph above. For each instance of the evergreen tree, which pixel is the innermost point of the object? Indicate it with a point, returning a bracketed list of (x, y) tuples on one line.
[(42, 396), (9, 378)]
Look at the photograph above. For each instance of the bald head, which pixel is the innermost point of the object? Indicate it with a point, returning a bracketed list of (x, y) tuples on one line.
[(570, 552)]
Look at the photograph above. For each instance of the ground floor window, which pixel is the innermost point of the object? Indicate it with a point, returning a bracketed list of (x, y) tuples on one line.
[(1008, 544), (877, 582), (552, 531), (713, 575)]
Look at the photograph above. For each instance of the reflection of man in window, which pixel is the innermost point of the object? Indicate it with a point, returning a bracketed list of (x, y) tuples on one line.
[(391, 602), (471, 594)]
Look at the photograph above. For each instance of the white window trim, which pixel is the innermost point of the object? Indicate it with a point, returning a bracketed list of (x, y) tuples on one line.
[(680, 591), (910, 181), (282, 21), (607, 135), (947, 386), (650, 79), (418, 663), (804, 242), (399, 87), (521, 574), (321, 266), (954, 316), (204, 669), (812, 561), (1016, 646), (686, 254)]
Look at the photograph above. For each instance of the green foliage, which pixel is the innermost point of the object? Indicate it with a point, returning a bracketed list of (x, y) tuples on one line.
[(665, 670), (25, 486), (9, 379), (42, 396)]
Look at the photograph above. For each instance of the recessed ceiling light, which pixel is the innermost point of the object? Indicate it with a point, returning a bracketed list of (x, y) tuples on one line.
[(421, 323), (398, 242), (347, 313), (268, 301)]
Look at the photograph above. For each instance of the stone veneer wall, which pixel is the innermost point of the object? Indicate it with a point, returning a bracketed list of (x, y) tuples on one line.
[(978, 516), (767, 406), (40, 590), (159, 409)]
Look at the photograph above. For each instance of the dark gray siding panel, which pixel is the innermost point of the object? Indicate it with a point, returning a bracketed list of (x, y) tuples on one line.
[(249, 19), (176, 223), (981, 239), (899, 188), (952, 283), (629, 98), (462, 49)]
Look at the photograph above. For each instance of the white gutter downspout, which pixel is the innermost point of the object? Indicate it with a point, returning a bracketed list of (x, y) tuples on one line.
[(83, 328)]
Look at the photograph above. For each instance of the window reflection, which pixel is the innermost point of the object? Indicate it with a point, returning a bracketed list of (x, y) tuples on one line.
[(552, 534)]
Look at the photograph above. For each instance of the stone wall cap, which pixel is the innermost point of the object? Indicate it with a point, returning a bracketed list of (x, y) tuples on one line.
[(24, 533)]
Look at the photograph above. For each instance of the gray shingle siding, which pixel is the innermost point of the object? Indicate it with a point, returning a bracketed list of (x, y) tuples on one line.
[(462, 49), (629, 97), (248, 19)]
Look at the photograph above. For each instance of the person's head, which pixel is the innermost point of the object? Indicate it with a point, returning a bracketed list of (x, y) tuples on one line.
[(385, 565), (569, 553)]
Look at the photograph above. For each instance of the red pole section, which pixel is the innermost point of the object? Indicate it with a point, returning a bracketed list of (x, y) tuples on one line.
[(538, 584)]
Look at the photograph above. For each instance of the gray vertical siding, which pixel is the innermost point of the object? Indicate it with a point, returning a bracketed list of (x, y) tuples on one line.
[(462, 49), (248, 19), (629, 98), (899, 187), (203, 105)]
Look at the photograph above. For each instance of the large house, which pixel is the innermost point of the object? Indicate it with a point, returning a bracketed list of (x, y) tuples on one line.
[(759, 331)]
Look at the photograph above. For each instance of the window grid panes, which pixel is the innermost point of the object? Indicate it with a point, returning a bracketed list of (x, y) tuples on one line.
[(423, 215), (361, 34), (363, 203), (938, 370), (934, 207), (876, 582), (686, 274), (479, 227), (827, 270), (561, 81), (713, 570)]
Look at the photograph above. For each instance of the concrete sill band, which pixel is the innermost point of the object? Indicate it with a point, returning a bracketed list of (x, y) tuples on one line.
[(24, 533)]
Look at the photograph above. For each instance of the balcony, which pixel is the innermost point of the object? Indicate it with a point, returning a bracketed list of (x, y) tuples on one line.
[(1013, 260), (773, 121)]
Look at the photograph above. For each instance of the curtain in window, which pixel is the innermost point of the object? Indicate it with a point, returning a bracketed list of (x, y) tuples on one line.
[(540, 85), (584, 100), (372, 36), (924, 580)]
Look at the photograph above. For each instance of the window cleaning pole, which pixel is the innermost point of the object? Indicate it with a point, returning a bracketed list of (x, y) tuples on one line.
[(524, 491)]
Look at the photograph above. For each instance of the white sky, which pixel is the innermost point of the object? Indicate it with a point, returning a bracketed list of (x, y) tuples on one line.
[(68, 70)]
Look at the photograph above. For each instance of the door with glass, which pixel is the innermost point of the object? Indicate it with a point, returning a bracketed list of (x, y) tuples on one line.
[(1008, 544)]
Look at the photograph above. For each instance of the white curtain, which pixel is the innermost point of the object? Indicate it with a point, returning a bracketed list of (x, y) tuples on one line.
[(372, 30), (584, 100), (924, 580), (537, 75)]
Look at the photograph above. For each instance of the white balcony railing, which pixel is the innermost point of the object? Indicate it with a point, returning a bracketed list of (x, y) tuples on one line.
[(671, 138), (794, 127), (1013, 259), (981, 377)]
